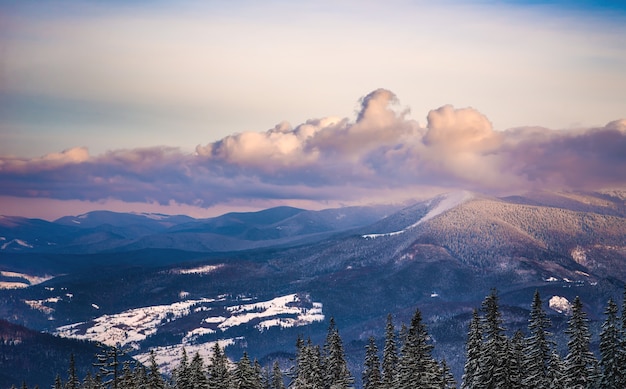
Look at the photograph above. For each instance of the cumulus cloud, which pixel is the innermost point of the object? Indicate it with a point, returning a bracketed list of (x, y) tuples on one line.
[(383, 153)]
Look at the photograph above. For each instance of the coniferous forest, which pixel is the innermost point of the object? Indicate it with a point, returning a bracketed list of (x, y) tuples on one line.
[(528, 359)]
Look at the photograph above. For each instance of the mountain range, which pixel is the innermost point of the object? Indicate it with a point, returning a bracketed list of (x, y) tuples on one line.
[(255, 281)]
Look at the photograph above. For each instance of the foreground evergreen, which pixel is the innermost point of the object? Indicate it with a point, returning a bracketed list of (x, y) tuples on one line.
[(493, 360)]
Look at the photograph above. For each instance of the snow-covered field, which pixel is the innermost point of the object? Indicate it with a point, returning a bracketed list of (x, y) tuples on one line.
[(132, 327), (168, 357), (28, 280), (129, 327)]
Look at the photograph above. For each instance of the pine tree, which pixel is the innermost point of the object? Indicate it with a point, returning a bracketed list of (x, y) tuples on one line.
[(579, 362), (219, 374), (621, 357), (58, 384), (181, 374), (610, 348), (109, 364), (493, 370), (72, 379), (197, 373), (88, 382), (372, 378), (538, 346), (473, 352), (556, 373), (447, 379), (517, 373), (126, 380), (155, 380), (309, 369), (390, 355), (416, 367), (140, 376), (245, 376), (336, 373), (277, 377)]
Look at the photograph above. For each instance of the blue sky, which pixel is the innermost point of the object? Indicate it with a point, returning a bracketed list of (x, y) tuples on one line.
[(103, 77)]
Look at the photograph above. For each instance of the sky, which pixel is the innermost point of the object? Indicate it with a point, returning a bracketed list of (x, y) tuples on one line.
[(205, 107)]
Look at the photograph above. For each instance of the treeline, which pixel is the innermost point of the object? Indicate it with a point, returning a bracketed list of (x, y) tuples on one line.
[(493, 360)]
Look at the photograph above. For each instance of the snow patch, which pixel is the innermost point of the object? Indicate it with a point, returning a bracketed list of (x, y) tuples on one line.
[(128, 327), (578, 254), (449, 201), (206, 269), (194, 334), (560, 305), (551, 279), (32, 280), (95, 306), (18, 242), (168, 357), (13, 285)]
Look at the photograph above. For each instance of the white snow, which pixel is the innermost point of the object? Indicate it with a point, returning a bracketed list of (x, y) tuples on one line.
[(183, 295), (32, 280), (41, 306), (196, 333), (18, 242), (3, 238), (551, 279), (168, 357), (95, 306), (241, 314), (579, 255), (198, 270), (560, 304), (449, 201), (434, 295), (130, 326), (13, 285), (75, 221)]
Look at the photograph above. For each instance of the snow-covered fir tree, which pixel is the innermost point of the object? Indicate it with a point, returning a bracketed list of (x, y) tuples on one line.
[(516, 348), (245, 375), (610, 348), (155, 380), (580, 363), (493, 367), (219, 374), (390, 355), (416, 367), (473, 351), (538, 346), (447, 379), (181, 375), (372, 378), (336, 373), (277, 381)]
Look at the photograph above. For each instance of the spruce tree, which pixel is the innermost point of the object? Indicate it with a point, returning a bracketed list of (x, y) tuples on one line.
[(219, 374), (621, 358), (372, 378), (517, 373), (390, 355), (538, 346), (108, 362), (493, 371), (58, 384), (245, 376), (197, 373), (277, 377), (73, 381), (579, 362), (155, 380), (336, 373), (610, 348), (181, 374), (556, 373), (126, 379), (140, 376), (416, 367), (447, 379), (473, 352)]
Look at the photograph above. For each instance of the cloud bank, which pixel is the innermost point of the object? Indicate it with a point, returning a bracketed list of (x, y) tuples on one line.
[(381, 154)]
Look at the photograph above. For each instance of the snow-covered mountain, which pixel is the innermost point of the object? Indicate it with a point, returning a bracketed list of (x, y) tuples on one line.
[(442, 255)]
